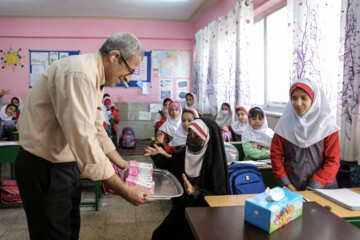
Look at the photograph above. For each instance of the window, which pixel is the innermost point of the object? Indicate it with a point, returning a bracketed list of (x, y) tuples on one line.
[(271, 79)]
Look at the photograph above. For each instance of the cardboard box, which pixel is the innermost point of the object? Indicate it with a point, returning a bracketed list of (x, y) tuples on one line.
[(269, 215)]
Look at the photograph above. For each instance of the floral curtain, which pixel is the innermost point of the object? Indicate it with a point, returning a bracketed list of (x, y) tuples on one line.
[(314, 30), (349, 94), (221, 68)]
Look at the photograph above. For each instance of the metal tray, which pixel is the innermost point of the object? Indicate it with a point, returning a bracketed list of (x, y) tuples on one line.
[(167, 186)]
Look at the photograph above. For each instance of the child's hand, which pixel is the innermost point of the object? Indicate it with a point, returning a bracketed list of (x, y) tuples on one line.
[(4, 92), (189, 189), (257, 146), (291, 187), (225, 128), (165, 112)]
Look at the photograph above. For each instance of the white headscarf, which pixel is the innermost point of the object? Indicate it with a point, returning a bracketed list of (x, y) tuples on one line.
[(315, 125), (105, 116), (262, 136), (3, 114), (181, 134), (224, 120), (195, 103), (21, 104), (171, 125), (193, 162), (237, 126)]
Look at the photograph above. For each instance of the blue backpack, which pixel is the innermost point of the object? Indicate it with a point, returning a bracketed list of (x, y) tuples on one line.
[(245, 179)]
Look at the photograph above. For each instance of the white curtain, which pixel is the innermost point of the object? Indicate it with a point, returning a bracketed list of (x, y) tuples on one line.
[(349, 94), (314, 28), (221, 62)]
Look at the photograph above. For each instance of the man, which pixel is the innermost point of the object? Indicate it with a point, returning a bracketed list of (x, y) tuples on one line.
[(61, 133)]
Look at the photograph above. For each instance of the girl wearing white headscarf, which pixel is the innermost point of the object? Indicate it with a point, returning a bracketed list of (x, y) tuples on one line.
[(305, 151), (7, 119), (191, 102), (19, 103), (257, 136), (224, 117), (237, 128)]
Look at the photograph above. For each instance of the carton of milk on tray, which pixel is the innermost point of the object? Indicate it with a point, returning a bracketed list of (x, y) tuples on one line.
[(273, 209)]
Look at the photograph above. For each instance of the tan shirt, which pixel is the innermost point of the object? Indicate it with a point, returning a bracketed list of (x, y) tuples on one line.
[(62, 120)]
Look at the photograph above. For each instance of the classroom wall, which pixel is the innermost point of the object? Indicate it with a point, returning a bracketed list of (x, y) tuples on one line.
[(86, 35)]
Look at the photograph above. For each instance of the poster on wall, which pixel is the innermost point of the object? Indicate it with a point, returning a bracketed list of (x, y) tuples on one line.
[(41, 59), (11, 58), (166, 83), (170, 66), (181, 94), (182, 84), (165, 94)]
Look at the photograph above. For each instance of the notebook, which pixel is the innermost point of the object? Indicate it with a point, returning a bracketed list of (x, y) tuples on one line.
[(343, 196)]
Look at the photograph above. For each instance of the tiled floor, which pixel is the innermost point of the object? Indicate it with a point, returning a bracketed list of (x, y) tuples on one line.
[(117, 219)]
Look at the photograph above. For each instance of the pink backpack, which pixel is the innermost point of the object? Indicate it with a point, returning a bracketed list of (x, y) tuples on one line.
[(127, 139), (9, 192)]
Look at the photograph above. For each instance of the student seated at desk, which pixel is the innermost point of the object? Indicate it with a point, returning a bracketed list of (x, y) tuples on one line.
[(224, 118), (6, 118), (237, 127), (206, 173), (257, 136), (191, 102), (305, 150), (179, 140)]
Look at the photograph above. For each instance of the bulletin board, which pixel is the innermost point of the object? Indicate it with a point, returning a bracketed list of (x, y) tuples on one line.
[(142, 72), (41, 59)]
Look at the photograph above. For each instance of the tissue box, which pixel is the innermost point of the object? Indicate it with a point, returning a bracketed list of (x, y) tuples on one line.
[(270, 216)]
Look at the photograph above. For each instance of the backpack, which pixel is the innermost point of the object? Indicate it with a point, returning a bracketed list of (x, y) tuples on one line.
[(9, 192), (127, 139), (245, 179)]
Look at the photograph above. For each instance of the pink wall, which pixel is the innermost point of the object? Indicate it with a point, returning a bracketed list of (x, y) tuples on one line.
[(86, 35)]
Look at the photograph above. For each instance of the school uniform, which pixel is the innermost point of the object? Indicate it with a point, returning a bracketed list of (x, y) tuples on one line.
[(206, 170), (224, 119), (5, 120), (262, 136), (305, 150)]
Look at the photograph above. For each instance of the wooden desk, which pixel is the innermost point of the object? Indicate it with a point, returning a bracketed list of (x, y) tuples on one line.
[(8, 155), (225, 223), (239, 200)]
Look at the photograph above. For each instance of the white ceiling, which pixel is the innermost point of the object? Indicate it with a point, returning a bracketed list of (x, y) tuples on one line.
[(178, 10)]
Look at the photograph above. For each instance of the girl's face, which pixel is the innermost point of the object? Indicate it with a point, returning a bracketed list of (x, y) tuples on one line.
[(300, 101), (241, 116), (189, 100), (166, 105), (10, 111), (256, 122), (107, 105), (15, 102), (195, 135), (224, 107), (174, 112), (186, 119)]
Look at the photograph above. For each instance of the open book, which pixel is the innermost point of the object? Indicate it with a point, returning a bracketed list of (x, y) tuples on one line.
[(343, 196)]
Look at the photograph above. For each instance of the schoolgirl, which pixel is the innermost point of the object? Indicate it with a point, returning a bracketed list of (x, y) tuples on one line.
[(305, 150), (167, 130), (224, 117), (163, 114), (237, 127), (19, 103), (257, 136), (7, 119), (112, 114)]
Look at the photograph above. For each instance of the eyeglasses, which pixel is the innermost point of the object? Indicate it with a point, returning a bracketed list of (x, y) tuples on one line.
[(131, 71), (174, 110)]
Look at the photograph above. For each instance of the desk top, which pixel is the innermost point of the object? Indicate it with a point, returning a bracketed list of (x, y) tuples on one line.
[(17, 142), (239, 200), (228, 223)]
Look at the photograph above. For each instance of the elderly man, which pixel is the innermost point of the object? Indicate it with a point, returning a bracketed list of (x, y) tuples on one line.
[(62, 135)]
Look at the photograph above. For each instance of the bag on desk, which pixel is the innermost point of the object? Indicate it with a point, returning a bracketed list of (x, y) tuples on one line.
[(10, 192), (245, 179)]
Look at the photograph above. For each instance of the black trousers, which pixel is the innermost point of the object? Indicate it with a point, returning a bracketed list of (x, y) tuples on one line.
[(51, 195)]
